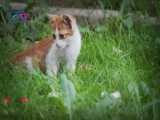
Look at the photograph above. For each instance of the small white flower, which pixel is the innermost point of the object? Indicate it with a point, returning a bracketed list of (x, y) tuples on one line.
[(103, 93), (116, 94), (53, 93), (117, 50)]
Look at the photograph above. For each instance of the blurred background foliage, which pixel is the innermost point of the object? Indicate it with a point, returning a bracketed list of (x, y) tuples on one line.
[(145, 7), (131, 65), (152, 7)]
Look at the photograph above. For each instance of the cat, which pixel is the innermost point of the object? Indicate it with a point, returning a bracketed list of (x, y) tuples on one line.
[(62, 47)]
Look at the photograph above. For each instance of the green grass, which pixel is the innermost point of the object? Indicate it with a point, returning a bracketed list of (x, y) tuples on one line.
[(113, 58)]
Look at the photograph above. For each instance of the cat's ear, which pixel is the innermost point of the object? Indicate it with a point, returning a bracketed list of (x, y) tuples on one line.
[(51, 18), (67, 20)]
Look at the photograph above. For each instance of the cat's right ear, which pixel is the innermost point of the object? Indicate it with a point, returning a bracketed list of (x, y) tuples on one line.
[(51, 18)]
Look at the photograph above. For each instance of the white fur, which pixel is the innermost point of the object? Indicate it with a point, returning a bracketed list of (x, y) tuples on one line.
[(29, 65), (67, 50)]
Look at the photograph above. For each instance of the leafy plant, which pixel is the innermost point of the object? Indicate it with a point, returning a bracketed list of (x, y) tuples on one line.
[(68, 93)]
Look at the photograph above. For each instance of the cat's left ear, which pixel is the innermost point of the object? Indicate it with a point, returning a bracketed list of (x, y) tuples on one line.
[(67, 20)]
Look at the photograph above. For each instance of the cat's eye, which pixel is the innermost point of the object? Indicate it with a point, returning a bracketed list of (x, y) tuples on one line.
[(61, 36)]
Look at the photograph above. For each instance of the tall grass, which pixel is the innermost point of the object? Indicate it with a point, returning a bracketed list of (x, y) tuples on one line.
[(114, 57)]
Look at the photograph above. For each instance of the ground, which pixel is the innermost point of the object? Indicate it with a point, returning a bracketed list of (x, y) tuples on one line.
[(116, 57)]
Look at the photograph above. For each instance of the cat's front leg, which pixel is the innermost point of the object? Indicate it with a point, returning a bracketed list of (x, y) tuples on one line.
[(71, 65), (71, 60), (52, 64), (52, 68)]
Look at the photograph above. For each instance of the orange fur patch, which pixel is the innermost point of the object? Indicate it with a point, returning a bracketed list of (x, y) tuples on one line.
[(38, 53)]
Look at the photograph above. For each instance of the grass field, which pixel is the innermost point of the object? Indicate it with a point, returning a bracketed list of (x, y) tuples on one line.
[(114, 59)]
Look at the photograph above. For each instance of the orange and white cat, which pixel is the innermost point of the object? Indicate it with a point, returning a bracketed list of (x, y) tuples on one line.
[(49, 53)]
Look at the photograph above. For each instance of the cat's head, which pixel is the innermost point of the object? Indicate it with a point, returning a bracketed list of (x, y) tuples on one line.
[(62, 26)]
